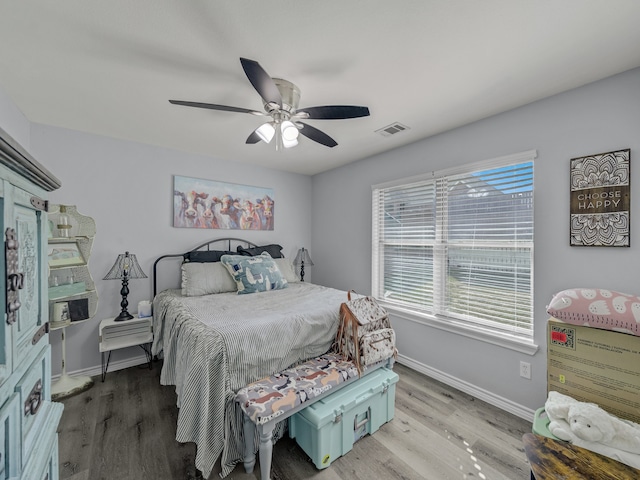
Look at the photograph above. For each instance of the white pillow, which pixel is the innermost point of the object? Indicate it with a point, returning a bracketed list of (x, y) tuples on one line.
[(287, 269), (205, 279)]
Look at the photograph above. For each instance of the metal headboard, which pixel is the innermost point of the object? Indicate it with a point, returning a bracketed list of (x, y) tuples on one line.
[(219, 243)]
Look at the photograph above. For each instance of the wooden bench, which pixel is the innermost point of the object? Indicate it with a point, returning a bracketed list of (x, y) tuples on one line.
[(277, 397)]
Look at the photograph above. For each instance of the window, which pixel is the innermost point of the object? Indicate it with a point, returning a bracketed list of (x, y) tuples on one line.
[(456, 246)]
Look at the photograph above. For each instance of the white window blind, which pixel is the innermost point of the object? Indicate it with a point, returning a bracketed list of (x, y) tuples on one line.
[(458, 245)]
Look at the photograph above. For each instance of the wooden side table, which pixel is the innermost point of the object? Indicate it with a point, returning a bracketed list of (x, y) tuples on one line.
[(127, 333), (553, 459)]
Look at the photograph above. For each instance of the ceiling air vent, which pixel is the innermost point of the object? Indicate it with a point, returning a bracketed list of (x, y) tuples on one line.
[(392, 129)]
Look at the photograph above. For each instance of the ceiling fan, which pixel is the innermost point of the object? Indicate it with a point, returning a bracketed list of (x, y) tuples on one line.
[(281, 99)]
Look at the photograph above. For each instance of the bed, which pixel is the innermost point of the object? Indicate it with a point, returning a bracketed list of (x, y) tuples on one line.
[(215, 341)]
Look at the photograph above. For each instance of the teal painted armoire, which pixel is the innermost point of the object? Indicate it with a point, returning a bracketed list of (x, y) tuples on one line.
[(28, 417)]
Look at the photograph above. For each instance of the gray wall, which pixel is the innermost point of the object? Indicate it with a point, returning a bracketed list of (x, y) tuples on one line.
[(596, 118), (128, 189)]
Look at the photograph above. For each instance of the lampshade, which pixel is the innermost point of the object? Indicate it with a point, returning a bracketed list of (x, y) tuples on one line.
[(266, 132), (302, 257), (125, 268), (289, 131), (126, 262), (289, 143)]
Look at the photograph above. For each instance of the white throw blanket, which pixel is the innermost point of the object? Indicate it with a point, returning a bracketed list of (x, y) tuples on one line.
[(589, 426)]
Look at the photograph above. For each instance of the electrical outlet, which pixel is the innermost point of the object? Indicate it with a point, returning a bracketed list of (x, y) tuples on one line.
[(525, 370)]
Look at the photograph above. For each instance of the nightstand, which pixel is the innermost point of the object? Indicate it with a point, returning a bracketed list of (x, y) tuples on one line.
[(127, 333)]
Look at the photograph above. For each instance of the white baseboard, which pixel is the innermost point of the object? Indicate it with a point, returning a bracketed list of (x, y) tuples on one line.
[(113, 367), (484, 395)]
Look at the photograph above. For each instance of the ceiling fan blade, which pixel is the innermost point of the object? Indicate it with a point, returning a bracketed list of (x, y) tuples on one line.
[(317, 135), (213, 106), (261, 81), (334, 112), (253, 138)]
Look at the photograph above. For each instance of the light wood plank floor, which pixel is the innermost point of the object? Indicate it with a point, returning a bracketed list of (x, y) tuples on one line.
[(124, 429)]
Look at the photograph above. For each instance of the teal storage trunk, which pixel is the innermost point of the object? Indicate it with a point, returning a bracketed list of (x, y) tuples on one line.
[(328, 428)]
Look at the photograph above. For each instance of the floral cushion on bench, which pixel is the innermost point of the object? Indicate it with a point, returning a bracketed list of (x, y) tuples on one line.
[(273, 396)]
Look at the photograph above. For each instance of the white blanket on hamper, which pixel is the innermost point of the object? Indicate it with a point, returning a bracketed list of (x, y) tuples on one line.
[(589, 426)]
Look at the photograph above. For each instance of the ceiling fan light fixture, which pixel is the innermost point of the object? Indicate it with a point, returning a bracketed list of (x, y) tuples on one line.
[(266, 132), (280, 99), (289, 131)]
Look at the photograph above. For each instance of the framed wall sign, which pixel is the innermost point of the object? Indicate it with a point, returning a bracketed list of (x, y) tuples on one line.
[(600, 200)]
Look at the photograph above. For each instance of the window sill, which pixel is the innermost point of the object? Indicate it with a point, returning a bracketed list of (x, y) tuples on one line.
[(501, 339)]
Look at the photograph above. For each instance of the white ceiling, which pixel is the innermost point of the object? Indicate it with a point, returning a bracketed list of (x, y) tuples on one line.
[(109, 67)]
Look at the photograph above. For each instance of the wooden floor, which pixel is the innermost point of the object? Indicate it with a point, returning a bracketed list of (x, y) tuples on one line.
[(124, 429)]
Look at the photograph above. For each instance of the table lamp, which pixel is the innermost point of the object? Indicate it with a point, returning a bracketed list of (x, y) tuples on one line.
[(125, 268), (301, 258)]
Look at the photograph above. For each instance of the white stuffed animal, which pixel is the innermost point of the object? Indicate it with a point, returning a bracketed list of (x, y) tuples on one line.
[(591, 423), (557, 408), (580, 422)]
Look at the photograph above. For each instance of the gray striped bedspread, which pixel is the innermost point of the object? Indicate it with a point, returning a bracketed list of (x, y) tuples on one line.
[(215, 344)]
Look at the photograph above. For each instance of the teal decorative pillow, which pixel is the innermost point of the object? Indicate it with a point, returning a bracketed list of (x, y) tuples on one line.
[(254, 274)]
